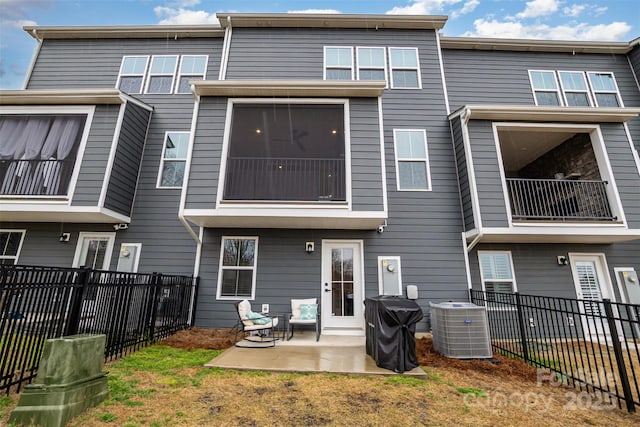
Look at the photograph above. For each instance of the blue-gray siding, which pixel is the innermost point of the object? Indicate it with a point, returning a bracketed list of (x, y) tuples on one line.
[(128, 158)]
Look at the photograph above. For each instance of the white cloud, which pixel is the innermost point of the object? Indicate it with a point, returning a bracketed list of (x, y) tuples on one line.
[(181, 16), (468, 7), (597, 11), (18, 23), (536, 8), (581, 31), (18, 8), (423, 7), (314, 11), (574, 10)]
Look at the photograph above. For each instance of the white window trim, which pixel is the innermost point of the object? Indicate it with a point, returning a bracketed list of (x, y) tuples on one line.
[(108, 254), (425, 160), (557, 91), (594, 92), (150, 74), (17, 255), (143, 75), (324, 61), (399, 272), (586, 91), (136, 263), (285, 204), (254, 268), (57, 110), (162, 161), (514, 286), (180, 74), (416, 68), (384, 63)]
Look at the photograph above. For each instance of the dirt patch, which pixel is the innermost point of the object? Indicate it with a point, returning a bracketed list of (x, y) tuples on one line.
[(206, 339)]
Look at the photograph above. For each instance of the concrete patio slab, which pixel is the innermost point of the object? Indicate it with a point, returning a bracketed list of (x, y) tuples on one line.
[(334, 354)]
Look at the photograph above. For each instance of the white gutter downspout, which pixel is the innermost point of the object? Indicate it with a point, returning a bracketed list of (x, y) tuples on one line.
[(196, 272), (187, 170), (36, 53), (226, 46)]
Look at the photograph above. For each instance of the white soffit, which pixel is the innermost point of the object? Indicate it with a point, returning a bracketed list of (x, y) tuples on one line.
[(288, 88), (548, 114)]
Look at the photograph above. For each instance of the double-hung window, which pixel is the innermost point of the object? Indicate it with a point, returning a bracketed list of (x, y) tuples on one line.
[(496, 271), (405, 69), (412, 160), (545, 87), (237, 273), (574, 89), (132, 72), (161, 74), (338, 63), (10, 245), (371, 63), (192, 67), (174, 159), (605, 90)]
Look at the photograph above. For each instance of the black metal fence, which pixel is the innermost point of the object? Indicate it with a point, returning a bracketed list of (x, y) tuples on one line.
[(131, 309), (592, 345)]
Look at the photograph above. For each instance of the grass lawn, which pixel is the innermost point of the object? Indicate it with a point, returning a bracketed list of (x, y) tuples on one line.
[(167, 386)]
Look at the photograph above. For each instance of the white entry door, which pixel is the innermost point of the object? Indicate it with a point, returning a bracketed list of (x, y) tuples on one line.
[(342, 288), (94, 250), (591, 278)]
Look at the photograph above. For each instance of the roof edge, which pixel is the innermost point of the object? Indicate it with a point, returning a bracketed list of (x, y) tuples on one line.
[(123, 31), (67, 97), (288, 88), (332, 20), (547, 114), (533, 45)]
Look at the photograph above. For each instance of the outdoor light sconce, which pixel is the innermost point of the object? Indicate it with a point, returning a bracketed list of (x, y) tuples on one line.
[(309, 247), (563, 260), (64, 237)]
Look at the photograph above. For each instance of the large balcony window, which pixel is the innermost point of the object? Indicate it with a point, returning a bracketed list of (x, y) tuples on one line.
[(554, 175), (38, 152), (286, 152)]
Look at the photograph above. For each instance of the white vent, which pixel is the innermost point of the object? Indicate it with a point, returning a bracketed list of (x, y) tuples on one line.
[(460, 330)]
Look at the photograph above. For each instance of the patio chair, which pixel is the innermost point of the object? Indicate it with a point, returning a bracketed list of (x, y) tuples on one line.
[(261, 328), (303, 312)]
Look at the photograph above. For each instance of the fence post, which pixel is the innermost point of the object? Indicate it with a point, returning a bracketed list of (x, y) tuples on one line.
[(523, 333), (156, 281), (617, 350), (75, 308)]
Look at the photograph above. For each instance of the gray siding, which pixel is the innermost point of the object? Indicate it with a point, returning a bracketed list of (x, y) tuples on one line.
[(96, 156), (493, 210), (366, 165), (207, 154), (95, 63), (128, 157), (463, 175)]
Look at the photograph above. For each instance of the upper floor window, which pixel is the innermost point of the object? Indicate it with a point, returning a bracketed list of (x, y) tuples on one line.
[(286, 152), (10, 245), (545, 87), (605, 89), (174, 159), (371, 63), (161, 74), (38, 153), (573, 90), (132, 72), (338, 63), (412, 160), (192, 67), (405, 69), (237, 273)]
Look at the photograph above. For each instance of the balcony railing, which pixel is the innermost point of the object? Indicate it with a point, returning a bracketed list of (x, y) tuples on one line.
[(565, 200), (35, 177), (285, 179)]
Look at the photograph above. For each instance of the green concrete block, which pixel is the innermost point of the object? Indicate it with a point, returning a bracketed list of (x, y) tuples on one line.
[(70, 380)]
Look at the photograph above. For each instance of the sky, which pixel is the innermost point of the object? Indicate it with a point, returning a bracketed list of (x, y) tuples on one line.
[(604, 20)]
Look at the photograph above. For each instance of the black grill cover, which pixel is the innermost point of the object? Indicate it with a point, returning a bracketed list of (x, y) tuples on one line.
[(390, 336)]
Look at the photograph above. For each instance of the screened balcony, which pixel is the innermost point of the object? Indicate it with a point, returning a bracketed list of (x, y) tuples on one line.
[(286, 152)]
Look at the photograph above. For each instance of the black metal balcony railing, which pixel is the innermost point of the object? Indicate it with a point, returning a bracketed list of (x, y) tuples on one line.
[(552, 199), (285, 179), (35, 177)]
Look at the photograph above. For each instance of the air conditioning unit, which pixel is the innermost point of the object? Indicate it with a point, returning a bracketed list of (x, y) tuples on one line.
[(460, 330)]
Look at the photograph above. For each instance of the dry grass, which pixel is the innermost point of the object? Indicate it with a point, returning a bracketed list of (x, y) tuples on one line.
[(475, 393)]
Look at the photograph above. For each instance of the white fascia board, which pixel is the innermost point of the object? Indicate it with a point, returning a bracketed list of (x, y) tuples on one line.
[(547, 114), (288, 88), (67, 97), (59, 212), (562, 234)]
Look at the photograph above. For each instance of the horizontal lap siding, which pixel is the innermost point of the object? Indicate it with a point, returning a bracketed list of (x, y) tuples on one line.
[(96, 156), (128, 157), (463, 176), (166, 245), (487, 173), (366, 166), (207, 154)]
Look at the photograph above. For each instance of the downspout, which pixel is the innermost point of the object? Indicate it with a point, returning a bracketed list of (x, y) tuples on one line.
[(226, 46), (187, 170), (196, 272), (36, 53)]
